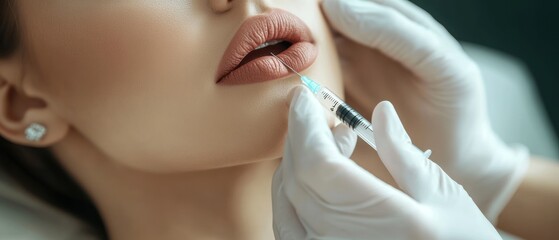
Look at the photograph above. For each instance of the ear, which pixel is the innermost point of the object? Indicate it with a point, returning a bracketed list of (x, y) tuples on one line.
[(19, 108)]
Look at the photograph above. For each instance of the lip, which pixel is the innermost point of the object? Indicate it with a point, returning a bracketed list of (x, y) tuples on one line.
[(276, 24)]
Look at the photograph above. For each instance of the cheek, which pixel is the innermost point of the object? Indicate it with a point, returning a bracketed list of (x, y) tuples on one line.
[(107, 53)]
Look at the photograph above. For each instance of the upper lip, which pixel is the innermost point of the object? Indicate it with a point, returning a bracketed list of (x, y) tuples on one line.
[(273, 25)]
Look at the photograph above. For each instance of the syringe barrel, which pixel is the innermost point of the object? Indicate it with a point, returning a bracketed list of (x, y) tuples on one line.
[(365, 132), (347, 115)]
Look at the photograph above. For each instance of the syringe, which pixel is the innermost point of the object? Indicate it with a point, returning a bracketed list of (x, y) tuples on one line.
[(345, 113)]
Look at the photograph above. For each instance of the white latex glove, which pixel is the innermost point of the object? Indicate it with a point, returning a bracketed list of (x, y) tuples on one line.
[(443, 105), (318, 193)]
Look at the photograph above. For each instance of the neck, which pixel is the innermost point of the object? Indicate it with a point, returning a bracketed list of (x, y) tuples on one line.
[(227, 203)]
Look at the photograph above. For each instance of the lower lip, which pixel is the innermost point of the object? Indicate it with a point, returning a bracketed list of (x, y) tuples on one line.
[(299, 56)]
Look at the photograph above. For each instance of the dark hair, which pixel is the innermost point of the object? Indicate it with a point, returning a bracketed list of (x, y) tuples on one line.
[(8, 28), (36, 169)]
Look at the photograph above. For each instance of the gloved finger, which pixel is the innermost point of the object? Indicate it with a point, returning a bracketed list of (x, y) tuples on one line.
[(383, 28), (420, 16), (286, 223), (327, 213), (312, 158), (345, 139), (307, 122), (416, 175), (322, 215)]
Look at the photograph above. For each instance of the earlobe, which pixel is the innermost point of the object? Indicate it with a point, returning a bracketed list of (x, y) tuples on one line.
[(26, 120)]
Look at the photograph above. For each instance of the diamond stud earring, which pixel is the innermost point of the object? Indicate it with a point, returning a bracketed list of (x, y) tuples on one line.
[(35, 131)]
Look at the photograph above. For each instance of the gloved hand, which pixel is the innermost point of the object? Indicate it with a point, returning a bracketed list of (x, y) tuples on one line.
[(437, 88), (318, 193)]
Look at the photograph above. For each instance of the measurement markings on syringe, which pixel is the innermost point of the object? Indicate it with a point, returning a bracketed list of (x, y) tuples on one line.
[(332, 99)]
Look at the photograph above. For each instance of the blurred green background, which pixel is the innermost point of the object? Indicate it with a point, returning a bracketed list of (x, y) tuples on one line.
[(527, 30)]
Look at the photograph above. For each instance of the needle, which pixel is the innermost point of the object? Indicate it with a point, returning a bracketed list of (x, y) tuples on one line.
[(285, 64)]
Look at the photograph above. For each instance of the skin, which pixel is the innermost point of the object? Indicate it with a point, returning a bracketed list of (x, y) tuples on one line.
[(127, 91), (112, 82), (533, 212)]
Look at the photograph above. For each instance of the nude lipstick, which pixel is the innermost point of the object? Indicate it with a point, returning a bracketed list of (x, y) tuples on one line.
[(247, 58)]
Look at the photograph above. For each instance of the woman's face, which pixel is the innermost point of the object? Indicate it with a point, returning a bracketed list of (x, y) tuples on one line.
[(137, 78)]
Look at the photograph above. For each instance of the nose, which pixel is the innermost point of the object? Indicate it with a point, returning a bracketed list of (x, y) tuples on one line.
[(221, 5)]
